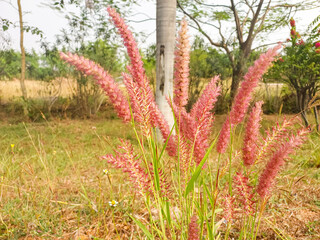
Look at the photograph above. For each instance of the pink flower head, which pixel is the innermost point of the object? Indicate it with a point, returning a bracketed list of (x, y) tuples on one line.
[(228, 208), (293, 33), (317, 44), (292, 22), (104, 79), (128, 162), (193, 232), (137, 70), (251, 135), (244, 193), (201, 113), (182, 59), (272, 168), (251, 79), (138, 75), (244, 95)]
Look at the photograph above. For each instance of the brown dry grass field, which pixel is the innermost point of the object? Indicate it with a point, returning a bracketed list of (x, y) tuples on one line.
[(37, 89), (64, 87)]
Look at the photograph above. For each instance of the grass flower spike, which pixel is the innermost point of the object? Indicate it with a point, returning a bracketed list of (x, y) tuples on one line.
[(252, 135), (138, 75), (193, 232), (244, 194), (104, 79), (201, 113), (267, 177), (182, 59), (128, 162), (244, 95)]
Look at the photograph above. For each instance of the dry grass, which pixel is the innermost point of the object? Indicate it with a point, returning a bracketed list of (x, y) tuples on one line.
[(53, 185), (62, 87)]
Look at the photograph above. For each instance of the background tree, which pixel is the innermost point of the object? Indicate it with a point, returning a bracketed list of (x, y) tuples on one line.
[(205, 62), (300, 68), (240, 24), (5, 23), (23, 53)]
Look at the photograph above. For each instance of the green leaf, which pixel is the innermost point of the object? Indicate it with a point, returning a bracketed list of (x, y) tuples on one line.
[(143, 227), (198, 170), (5, 27)]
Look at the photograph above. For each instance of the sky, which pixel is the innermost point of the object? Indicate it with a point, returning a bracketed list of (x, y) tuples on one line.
[(50, 22)]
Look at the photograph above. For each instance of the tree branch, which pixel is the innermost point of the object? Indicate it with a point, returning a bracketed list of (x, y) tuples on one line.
[(253, 22), (237, 21), (222, 44), (199, 27)]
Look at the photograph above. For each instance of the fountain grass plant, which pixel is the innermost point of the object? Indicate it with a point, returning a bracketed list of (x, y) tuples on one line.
[(202, 188)]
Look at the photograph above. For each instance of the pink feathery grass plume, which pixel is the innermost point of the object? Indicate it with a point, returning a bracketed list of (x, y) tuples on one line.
[(193, 232), (228, 208), (251, 136), (244, 194), (128, 162), (164, 184), (243, 97), (185, 123), (138, 74), (137, 70), (272, 168), (206, 101), (185, 158), (250, 81), (224, 136), (104, 79), (182, 59), (203, 118), (196, 126), (274, 139), (139, 104)]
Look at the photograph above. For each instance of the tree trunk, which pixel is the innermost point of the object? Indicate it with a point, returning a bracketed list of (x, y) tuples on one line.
[(239, 70), (166, 29), (315, 109), (237, 74), (301, 101), (23, 54)]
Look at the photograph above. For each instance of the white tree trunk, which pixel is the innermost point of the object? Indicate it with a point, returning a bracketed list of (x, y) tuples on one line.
[(166, 29)]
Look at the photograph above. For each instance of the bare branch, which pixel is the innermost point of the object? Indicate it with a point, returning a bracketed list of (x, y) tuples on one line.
[(221, 44), (140, 21), (237, 21), (211, 5), (253, 23), (199, 27)]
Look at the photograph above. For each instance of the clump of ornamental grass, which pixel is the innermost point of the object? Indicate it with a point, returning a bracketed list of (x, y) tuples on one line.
[(203, 183)]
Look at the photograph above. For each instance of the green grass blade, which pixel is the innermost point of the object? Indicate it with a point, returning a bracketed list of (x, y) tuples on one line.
[(142, 227), (198, 170), (166, 143)]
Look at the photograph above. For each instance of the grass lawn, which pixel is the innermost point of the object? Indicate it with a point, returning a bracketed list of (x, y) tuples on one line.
[(53, 185)]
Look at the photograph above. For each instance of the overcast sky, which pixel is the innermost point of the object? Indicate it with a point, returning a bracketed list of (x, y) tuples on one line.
[(50, 22)]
